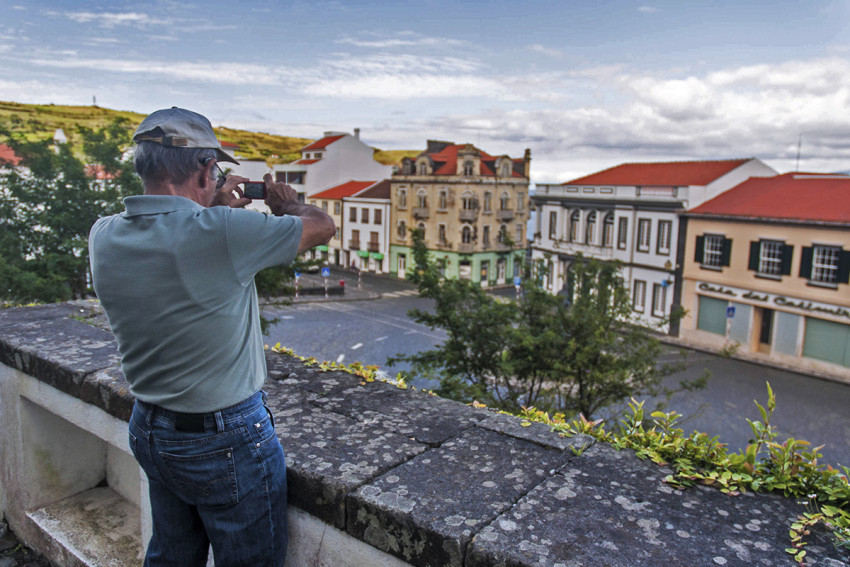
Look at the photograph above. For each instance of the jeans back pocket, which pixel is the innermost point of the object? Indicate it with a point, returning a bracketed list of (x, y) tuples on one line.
[(203, 478)]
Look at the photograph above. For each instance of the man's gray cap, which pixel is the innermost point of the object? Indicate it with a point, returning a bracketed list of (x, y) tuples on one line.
[(180, 128)]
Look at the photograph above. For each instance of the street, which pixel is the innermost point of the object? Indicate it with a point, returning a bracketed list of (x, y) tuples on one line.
[(370, 331)]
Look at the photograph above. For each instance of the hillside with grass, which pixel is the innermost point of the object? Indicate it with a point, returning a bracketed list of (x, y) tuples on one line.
[(40, 121)]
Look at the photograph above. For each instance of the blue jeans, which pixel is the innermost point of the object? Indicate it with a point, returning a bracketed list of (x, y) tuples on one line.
[(221, 482)]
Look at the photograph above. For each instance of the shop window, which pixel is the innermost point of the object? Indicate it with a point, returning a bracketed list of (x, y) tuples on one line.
[(622, 233), (770, 258), (711, 315), (827, 340), (639, 296), (825, 265), (665, 234), (713, 251), (644, 234)]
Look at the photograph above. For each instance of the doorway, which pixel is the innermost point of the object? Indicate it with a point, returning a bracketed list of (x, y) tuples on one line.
[(765, 330)]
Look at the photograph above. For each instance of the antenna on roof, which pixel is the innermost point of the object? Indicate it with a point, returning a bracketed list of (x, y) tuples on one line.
[(799, 144)]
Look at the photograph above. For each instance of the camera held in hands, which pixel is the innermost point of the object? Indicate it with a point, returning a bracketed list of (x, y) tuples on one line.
[(254, 190)]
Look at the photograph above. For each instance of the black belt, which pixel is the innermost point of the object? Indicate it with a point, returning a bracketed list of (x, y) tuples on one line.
[(191, 422)]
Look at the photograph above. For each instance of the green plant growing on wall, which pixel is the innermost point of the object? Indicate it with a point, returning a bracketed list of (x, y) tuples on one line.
[(572, 357)]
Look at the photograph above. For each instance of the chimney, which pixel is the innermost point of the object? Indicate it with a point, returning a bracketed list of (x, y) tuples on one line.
[(527, 160), (357, 133)]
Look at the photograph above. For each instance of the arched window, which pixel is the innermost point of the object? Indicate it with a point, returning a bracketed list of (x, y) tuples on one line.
[(608, 231), (505, 201), (575, 219), (505, 169), (466, 235), (590, 227), (488, 198), (421, 198), (469, 202), (402, 198), (444, 197), (468, 168), (423, 168)]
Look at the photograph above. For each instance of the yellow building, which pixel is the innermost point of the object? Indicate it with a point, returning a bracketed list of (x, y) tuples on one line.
[(472, 207), (767, 265)]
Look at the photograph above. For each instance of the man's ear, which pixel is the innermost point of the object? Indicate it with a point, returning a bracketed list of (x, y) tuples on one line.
[(205, 174)]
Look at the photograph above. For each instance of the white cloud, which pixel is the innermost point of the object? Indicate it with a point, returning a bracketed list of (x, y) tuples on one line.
[(403, 39), (111, 19), (548, 51), (648, 9), (399, 87)]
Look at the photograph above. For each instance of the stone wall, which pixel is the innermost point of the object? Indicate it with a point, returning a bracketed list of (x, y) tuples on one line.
[(378, 475)]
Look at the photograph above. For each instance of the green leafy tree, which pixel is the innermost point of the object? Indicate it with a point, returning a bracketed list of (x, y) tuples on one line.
[(572, 356), (47, 205)]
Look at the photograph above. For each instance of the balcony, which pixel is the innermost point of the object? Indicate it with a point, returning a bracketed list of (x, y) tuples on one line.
[(468, 215), (420, 212), (590, 250), (466, 247), (374, 247), (444, 245), (354, 244), (505, 214)]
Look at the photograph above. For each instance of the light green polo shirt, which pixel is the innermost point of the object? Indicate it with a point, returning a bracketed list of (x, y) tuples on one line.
[(176, 281)]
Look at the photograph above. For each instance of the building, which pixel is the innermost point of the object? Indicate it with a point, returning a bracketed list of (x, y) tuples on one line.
[(366, 228), (334, 159), (767, 265), (472, 207), (8, 157), (330, 200), (630, 213)]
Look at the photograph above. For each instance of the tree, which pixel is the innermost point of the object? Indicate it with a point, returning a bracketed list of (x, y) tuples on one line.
[(49, 202), (575, 356)]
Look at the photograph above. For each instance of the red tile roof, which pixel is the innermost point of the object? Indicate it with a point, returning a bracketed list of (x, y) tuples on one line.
[(306, 161), (817, 197), (323, 143), (346, 189), (671, 173), (230, 145), (445, 161), (7, 155)]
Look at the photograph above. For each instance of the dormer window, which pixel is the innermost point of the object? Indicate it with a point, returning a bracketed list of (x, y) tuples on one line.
[(317, 155), (468, 168), (505, 169), (423, 168)]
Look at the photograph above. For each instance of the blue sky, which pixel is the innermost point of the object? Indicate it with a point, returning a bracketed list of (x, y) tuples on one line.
[(585, 85)]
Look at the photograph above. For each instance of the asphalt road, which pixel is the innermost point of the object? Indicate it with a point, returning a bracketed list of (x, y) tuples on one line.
[(372, 330)]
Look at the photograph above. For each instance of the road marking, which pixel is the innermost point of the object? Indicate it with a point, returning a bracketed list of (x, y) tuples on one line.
[(357, 346), (402, 293), (381, 338), (340, 358)]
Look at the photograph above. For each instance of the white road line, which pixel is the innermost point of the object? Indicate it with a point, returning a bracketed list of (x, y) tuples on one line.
[(340, 358), (357, 346)]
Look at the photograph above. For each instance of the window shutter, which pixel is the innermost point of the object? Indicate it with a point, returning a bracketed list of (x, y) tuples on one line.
[(755, 250), (700, 248), (726, 252), (806, 262), (787, 256), (844, 267)]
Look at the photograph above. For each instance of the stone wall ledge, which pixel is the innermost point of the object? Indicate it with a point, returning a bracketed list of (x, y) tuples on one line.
[(433, 482)]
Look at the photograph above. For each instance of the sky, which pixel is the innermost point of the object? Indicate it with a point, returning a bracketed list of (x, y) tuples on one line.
[(584, 85)]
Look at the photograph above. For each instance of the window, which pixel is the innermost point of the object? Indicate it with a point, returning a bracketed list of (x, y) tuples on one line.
[(421, 199), (318, 155), (520, 199), (502, 237), (469, 202), (590, 228), (352, 214), (486, 234), (825, 264), (423, 168), (519, 228), (324, 206), (505, 169), (337, 207), (402, 198), (364, 216), (466, 235), (421, 228), (488, 197), (713, 251), (376, 216), (608, 231), (505, 202), (622, 233), (468, 168), (639, 296), (575, 218), (770, 258), (553, 225), (711, 315), (659, 300), (644, 234), (665, 233), (402, 229), (443, 199), (441, 233)]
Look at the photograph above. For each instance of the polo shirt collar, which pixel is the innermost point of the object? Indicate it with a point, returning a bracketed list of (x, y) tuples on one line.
[(157, 204)]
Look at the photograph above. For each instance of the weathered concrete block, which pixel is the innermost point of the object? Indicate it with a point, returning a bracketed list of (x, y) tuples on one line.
[(328, 455), (538, 433), (427, 510)]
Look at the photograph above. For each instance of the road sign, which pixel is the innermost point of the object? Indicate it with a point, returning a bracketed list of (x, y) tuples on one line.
[(730, 312), (297, 274), (326, 272), (517, 280)]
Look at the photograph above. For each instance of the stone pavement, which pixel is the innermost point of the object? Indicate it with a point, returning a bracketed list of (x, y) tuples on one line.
[(15, 554)]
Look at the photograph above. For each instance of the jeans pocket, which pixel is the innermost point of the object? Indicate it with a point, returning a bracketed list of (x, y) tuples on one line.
[(203, 478)]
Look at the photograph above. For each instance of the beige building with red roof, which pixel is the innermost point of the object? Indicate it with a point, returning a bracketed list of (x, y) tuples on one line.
[(767, 266), (630, 213), (473, 208), (335, 158)]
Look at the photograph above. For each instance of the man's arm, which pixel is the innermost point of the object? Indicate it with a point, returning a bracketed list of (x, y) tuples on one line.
[(317, 227)]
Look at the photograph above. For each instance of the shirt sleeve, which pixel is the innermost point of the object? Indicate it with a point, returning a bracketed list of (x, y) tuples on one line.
[(256, 241)]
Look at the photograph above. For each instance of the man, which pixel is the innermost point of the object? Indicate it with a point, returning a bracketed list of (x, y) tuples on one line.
[(175, 276)]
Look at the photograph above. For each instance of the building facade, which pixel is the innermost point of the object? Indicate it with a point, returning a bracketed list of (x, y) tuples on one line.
[(472, 207), (331, 201), (767, 266), (366, 228), (331, 160), (630, 213)]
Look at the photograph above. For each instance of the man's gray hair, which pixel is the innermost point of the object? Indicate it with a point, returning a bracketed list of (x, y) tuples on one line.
[(155, 162)]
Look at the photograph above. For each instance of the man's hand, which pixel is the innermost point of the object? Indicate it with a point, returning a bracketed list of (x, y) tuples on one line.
[(230, 194), (279, 196)]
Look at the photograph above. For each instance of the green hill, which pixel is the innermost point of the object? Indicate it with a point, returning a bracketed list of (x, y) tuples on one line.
[(40, 121)]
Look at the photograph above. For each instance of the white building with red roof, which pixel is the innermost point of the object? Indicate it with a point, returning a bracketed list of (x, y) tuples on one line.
[(767, 267), (331, 160), (630, 213)]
